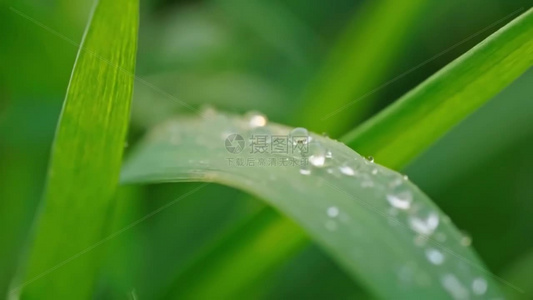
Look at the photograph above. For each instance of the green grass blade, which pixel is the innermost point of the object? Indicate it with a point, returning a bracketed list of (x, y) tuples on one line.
[(511, 60), (407, 127), (86, 157), (349, 215), (356, 64)]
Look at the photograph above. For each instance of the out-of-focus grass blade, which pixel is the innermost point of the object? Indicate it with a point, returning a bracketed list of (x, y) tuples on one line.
[(356, 64), (410, 125), (226, 277), (350, 206), (86, 158)]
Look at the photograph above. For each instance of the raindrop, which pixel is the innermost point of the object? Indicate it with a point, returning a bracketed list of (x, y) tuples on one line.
[(435, 256), (208, 112), (370, 159), (400, 200), (479, 286), (305, 170), (333, 211), (256, 119), (466, 239), (424, 225), (329, 154), (374, 171), (299, 135), (454, 287), (346, 170), (405, 177), (317, 154)]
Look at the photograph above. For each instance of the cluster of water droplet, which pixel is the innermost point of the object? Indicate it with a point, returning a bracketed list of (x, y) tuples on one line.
[(422, 220)]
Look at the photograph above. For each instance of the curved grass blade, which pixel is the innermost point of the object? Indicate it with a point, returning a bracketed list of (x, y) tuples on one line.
[(86, 157), (407, 127), (351, 207), (515, 34)]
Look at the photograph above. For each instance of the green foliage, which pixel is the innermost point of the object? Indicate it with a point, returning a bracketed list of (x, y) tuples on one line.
[(422, 116), (515, 32), (356, 64), (350, 229), (350, 207), (86, 157)]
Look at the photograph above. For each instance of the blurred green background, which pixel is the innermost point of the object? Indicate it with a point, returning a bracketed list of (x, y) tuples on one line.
[(241, 55)]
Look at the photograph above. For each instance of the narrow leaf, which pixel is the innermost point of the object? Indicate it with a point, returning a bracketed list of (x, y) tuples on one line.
[(410, 125), (86, 157), (350, 206)]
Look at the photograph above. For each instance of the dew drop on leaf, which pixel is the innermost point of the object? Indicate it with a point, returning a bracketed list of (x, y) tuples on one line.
[(435, 256), (400, 200), (424, 224), (479, 286), (317, 154), (256, 119), (466, 239), (454, 287), (299, 135), (346, 170), (333, 211)]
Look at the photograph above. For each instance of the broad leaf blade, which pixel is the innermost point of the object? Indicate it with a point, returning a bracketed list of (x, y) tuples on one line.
[(407, 127), (347, 211), (86, 157)]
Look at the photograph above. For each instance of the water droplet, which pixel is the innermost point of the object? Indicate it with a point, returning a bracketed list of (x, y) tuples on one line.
[(329, 154), (400, 200), (208, 112), (466, 239), (333, 211), (317, 154), (479, 286), (305, 170), (370, 159), (424, 225), (374, 171), (435, 256), (405, 177), (346, 170), (256, 119), (454, 287), (299, 135)]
